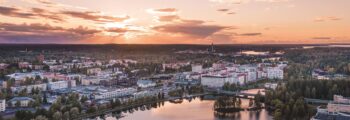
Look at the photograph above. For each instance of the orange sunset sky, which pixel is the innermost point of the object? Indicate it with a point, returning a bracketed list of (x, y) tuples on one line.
[(175, 21)]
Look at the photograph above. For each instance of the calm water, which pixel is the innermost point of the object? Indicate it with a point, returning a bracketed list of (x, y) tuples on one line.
[(195, 109), (254, 53)]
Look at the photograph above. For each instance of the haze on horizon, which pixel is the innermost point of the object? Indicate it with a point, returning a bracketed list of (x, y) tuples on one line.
[(175, 21)]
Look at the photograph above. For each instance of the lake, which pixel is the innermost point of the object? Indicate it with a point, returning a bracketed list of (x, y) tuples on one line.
[(195, 109)]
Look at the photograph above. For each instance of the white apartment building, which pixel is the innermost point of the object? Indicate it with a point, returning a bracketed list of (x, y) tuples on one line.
[(339, 104), (339, 108), (29, 88), (145, 94), (197, 68), (274, 73), (58, 85), (109, 94), (93, 71), (145, 83), (24, 76), (23, 101), (271, 85), (90, 80), (217, 81), (2, 105)]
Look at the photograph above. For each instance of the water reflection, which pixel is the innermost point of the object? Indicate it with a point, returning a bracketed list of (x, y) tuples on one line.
[(254, 53), (195, 109)]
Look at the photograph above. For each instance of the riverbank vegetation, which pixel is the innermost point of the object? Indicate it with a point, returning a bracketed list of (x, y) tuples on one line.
[(227, 104), (287, 104)]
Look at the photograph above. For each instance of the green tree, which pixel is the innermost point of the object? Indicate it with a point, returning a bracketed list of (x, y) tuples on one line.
[(57, 116), (74, 112), (40, 117), (66, 116)]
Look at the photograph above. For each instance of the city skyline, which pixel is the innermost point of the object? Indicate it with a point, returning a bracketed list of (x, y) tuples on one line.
[(175, 22)]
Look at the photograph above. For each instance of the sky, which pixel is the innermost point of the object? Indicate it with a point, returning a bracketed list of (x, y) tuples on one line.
[(175, 21)]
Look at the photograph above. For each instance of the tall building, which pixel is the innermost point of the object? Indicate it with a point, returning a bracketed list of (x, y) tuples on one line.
[(212, 48)]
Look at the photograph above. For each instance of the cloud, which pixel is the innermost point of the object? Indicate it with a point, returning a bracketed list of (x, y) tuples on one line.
[(14, 12), (178, 19), (58, 16), (231, 13), (194, 22), (272, 1), (190, 29), (223, 10), (45, 2), (51, 4), (230, 1), (29, 14), (165, 10), (250, 34), (94, 16), (321, 38), (168, 18), (246, 1), (39, 32), (327, 18), (47, 14), (121, 30)]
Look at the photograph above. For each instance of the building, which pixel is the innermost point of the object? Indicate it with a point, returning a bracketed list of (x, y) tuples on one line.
[(91, 80), (338, 109), (2, 105), (23, 65), (146, 93), (218, 66), (196, 68), (23, 101), (217, 80), (29, 88), (145, 83), (93, 71), (272, 86), (110, 94), (24, 76), (3, 66), (71, 83), (320, 74), (57, 85), (274, 73)]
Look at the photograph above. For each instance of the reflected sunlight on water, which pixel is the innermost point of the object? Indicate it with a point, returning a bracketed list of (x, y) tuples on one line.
[(194, 110)]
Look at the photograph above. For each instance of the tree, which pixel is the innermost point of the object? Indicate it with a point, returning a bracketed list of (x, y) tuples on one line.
[(66, 116), (91, 109), (74, 112), (57, 115), (251, 103), (23, 115), (18, 104), (45, 98), (313, 93), (40, 117), (277, 115), (83, 99)]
